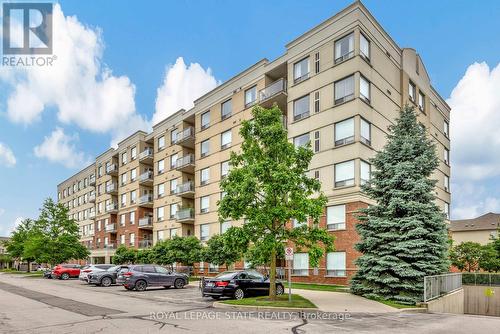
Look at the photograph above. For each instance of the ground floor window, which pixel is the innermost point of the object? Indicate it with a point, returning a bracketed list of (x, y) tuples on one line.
[(213, 268), (335, 264), (301, 264)]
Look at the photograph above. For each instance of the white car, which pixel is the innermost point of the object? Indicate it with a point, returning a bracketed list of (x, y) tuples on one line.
[(85, 271)]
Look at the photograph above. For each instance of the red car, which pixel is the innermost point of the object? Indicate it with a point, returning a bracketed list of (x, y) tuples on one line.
[(65, 271)]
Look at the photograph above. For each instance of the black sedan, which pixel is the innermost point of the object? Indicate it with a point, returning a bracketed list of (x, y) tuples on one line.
[(239, 284), (106, 277)]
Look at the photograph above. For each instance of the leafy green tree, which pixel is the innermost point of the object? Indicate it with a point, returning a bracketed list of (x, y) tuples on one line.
[(144, 256), (226, 248), (268, 186), (124, 255), (54, 237), (489, 259), (185, 250), (466, 256), (19, 237), (260, 255), (403, 236)]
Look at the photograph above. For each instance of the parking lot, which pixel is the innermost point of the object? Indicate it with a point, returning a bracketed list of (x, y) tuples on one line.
[(36, 305)]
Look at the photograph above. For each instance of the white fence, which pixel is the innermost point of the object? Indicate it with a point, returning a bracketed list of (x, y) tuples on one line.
[(440, 285)]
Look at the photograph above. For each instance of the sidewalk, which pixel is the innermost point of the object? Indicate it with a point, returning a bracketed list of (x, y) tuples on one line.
[(343, 302)]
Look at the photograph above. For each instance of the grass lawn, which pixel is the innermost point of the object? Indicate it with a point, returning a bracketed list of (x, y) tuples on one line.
[(281, 301), (393, 303), (16, 272), (319, 287), (194, 279)]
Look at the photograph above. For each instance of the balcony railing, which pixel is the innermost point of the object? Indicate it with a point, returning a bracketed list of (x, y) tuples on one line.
[(92, 198), (146, 221), (184, 214), (92, 215), (110, 245), (279, 86), (145, 243), (111, 188), (146, 176), (92, 181), (187, 133), (110, 169), (112, 207), (184, 161), (147, 153), (184, 188), (110, 228), (146, 199)]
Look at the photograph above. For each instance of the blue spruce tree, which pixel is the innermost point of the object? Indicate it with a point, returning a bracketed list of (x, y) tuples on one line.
[(403, 236)]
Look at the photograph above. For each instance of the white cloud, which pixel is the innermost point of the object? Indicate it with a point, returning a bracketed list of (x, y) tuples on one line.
[(472, 199), (60, 148), (181, 86), (7, 229), (7, 157), (84, 91)]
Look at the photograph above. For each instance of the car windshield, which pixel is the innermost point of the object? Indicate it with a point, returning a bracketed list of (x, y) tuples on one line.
[(114, 268), (226, 275)]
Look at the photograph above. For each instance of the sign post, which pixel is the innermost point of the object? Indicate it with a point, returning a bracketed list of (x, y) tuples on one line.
[(289, 258)]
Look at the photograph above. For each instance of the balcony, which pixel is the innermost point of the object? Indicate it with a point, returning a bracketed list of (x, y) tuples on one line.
[(92, 215), (112, 189), (146, 200), (185, 138), (146, 178), (185, 164), (92, 198), (145, 243), (275, 92), (110, 245), (110, 228), (112, 208), (146, 222), (185, 190), (146, 156), (112, 169), (92, 181), (184, 215)]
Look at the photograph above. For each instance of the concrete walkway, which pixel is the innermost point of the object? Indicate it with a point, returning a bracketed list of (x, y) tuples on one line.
[(328, 301)]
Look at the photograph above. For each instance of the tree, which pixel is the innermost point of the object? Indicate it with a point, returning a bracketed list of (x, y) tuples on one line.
[(124, 255), (226, 248), (403, 236), (54, 237), (268, 186), (466, 256), (144, 256), (489, 259), (19, 237), (186, 250)]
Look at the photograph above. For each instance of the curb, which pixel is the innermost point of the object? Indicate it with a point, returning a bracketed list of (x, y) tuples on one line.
[(262, 308), (413, 310)]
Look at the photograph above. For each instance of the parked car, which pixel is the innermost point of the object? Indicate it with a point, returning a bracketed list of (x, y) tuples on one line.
[(239, 284), (66, 271), (48, 273), (106, 277), (141, 276), (85, 271)]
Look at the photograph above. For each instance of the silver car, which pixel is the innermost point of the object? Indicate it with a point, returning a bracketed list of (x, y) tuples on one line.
[(92, 268)]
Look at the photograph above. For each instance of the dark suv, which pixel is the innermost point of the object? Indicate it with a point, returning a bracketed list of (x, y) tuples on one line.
[(141, 276), (106, 277)]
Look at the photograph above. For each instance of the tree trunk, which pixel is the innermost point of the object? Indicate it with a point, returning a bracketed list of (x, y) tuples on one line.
[(272, 276), (29, 266)]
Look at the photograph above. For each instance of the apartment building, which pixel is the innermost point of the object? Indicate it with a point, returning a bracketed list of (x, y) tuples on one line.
[(339, 86)]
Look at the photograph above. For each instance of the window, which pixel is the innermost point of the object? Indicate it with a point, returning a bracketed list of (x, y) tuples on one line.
[(122, 220), (222, 195), (301, 264), (316, 102), (173, 210), (133, 196), (133, 153), (224, 226), (301, 70), (301, 108), (335, 217), (213, 268), (344, 174), (446, 129), (446, 156), (365, 171), (344, 132), (124, 158), (421, 101), (226, 109), (365, 132), (161, 166), (316, 174), (160, 190), (344, 90), (411, 91), (301, 140), (344, 48), (133, 175), (201, 267), (446, 183), (225, 139), (173, 186), (204, 204), (335, 264), (205, 147), (132, 239), (205, 120), (296, 223), (364, 47), (224, 169), (124, 178), (173, 232), (124, 200), (160, 213), (132, 218), (160, 235), (99, 171), (316, 62), (204, 232), (447, 210), (204, 176), (173, 160), (173, 136), (161, 143), (250, 96), (364, 89), (316, 141)]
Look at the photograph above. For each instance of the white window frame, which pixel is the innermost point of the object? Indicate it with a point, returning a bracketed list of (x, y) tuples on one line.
[(344, 182), (300, 268), (336, 264), (340, 56), (344, 89), (336, 217), (344, 140), (298, 68)]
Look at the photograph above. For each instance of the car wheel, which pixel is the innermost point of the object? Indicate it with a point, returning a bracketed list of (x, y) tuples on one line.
[(106, 281), (179, 283), (166, 286), (141, 285), (65, 276), (279, 290), (239, 294), (215, 297)]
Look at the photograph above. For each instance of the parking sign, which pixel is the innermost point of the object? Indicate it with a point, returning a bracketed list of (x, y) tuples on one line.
[(288, 253)]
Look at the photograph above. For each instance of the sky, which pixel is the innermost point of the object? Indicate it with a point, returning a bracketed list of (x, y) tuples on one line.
[(124, 65)]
